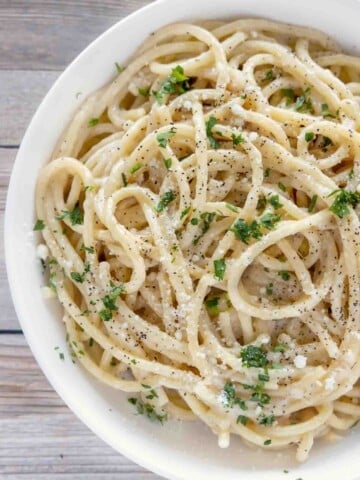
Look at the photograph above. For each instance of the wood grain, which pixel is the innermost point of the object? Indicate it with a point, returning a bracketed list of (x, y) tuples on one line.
[(8, 319), (20, 94), (47, 35), (39, 437)]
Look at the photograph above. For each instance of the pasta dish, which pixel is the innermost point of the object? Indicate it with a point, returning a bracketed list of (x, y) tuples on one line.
[(200, 226)]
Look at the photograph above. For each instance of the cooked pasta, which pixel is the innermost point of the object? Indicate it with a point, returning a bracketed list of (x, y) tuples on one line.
[(200, 227)]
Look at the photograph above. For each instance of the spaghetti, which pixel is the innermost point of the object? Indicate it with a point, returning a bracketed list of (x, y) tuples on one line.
[(202, 234)]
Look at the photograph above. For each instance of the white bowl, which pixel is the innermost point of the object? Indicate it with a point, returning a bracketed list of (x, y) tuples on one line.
[(175, 450)]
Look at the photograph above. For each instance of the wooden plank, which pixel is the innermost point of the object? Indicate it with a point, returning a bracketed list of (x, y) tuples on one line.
[(39, 437), (47, 35), (20, 94), (8, 319)]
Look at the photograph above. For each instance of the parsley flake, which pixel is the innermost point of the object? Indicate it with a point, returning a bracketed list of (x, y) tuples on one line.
[(75, 216), (344, 199), (219, 268), (165, 200), (210, 124), (164, 137), (39, 225), (93, 121)]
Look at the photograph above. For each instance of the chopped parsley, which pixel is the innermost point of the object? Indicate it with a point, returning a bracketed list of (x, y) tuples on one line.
[(167, 163), (326, 143), (269, 289), (75, 216), (185, 212), (237, 139), (145, 92), (87, 249), (269, 220), (289, 94), (309, 136), (312, 203), (253, 356), (124, 179), (212, 305), (165, 200), (148, 410), (135, 168), (119, 68), (258, 394), (164, 137), (267, 442), (176, 83), (206, 219), (210, 124), (219, 268), (351, 174), (284, 274), (282, 186), (267, 172), (266, 420), (275, 202), (80, 277), (302, 102), (109, 303), (229, 397), (242, 419), (39, 225), (232, 207), (326, 112), (269, 75), (244, 231), (343, 200), (93, 121)]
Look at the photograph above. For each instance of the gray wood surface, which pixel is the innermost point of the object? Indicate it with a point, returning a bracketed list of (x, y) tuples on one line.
[(40, 438)]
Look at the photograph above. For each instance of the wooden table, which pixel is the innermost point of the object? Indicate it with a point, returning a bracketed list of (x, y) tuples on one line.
[(40, 438)]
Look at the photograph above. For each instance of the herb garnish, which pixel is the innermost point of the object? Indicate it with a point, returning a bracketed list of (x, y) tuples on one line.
[(237, 139), (124, 179), (164, 137), (206, 219), (119, 68), (253, 356), (269, 220), (148, 410), (284, 274), (80, 277), (244, 231), (145, 92), (39, 225), (309, 136), (281, 347), (343, 199), (267, 442), (266, 420), (229, 398), (212, 305), (177, 82), (75, 216), (109, 303), (93, 122), (325, 111), (167, 163), (242, 419), (165, 200), (136, 167), (210, 124), (275, 202), (219, 268), (312, 203), (185, 212)]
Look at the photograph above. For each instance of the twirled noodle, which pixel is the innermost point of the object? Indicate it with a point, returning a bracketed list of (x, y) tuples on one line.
[(200, 218)]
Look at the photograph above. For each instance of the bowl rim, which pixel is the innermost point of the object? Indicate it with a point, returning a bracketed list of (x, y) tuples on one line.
[(129, 451)]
